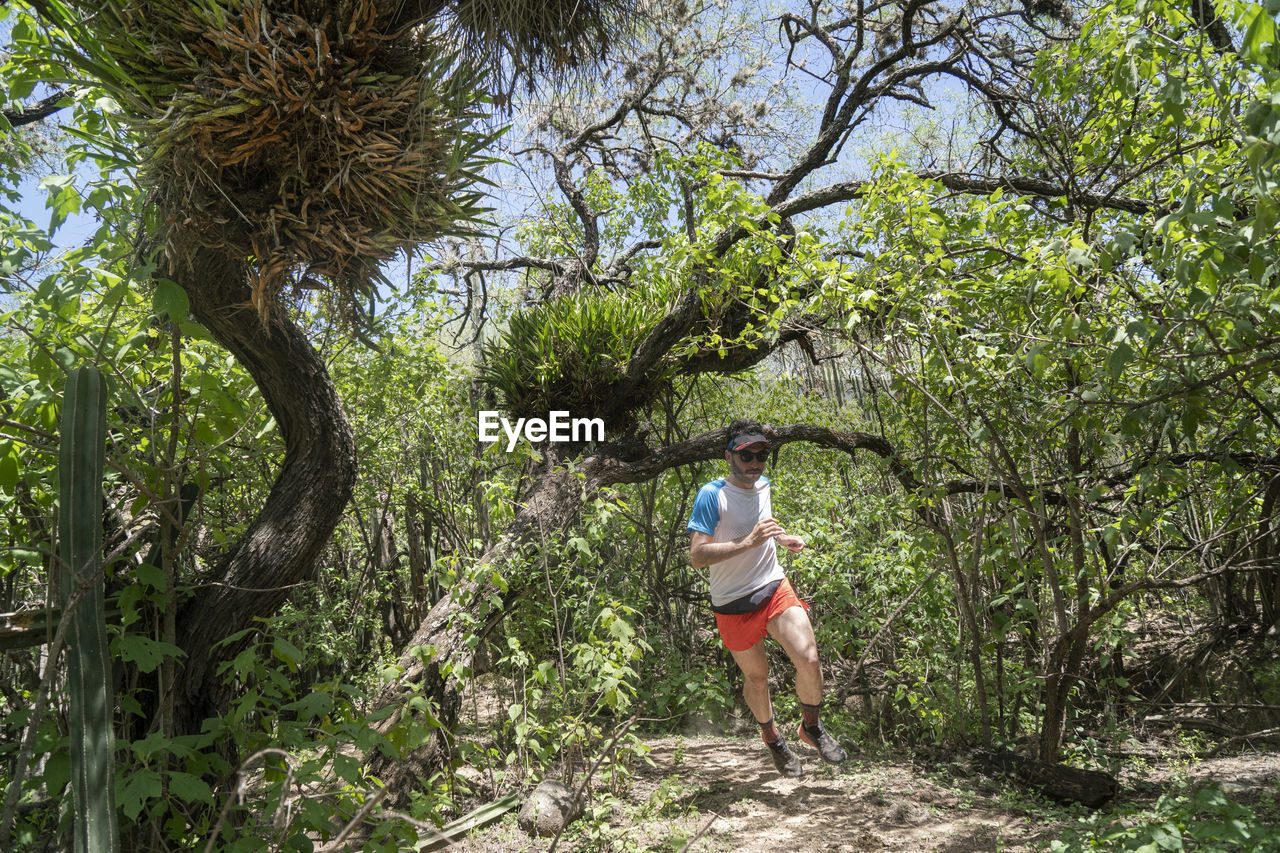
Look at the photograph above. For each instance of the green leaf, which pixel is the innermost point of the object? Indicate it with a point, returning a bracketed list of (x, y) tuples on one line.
[(347, 768), (145, 652), (1079, 256), (1190, 423), (151, 576), (287, 652), (1120, 356), (189, 788), (1260, 35), (57, 770), (9, 471), (20, 33), (156, 744), (312, 706), (170, 300), (1036, 361), (142, 786)]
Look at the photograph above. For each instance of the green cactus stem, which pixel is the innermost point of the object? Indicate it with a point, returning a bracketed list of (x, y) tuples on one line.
[(81, 460)]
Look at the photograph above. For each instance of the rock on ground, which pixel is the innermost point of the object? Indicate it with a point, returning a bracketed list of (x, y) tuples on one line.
[(549, 809)]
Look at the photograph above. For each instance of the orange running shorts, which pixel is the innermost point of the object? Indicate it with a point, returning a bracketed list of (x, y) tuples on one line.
[(742, 631)]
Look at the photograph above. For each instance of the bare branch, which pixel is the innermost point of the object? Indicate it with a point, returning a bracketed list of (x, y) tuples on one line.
[(38, 111), (973, 184)]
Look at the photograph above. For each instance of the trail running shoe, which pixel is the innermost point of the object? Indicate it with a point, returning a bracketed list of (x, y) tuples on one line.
[(828, 747), (784, 759)]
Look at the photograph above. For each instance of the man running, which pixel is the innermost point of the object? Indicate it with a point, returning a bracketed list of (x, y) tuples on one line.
[(734, 534)]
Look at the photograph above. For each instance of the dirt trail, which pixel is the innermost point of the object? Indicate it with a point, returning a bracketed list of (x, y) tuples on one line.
[(726, 787), (862, 806), (729, 786)]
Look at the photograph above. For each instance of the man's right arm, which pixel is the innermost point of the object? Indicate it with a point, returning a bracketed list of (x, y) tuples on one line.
[(703, 551)]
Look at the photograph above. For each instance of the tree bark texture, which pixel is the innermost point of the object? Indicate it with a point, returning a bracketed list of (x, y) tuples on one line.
[(306, 501), (1059, 782)]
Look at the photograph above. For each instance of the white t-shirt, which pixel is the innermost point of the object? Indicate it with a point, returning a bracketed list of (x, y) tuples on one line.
[(727, 512)]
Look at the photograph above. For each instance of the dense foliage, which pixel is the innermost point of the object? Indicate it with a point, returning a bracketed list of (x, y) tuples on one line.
[(1034, 357)]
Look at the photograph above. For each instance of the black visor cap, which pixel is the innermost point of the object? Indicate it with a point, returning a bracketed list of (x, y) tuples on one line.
[(746, 440)]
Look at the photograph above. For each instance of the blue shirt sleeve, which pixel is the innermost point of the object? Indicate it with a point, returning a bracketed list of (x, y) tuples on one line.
[(706, 510)]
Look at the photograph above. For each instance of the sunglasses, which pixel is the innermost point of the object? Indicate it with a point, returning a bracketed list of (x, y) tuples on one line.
[(749, 455)]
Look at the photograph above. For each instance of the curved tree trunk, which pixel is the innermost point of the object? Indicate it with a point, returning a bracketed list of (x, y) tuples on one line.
[(306, 501)]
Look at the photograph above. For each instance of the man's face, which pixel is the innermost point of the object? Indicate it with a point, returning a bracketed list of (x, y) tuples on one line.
[(747, 471)]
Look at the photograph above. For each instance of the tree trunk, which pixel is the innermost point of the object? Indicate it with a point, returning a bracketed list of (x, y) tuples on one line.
[(1059, 782), (385, 561), (1268, 582), (419, 565), (1060, 675), (964, 602), (306, 501)]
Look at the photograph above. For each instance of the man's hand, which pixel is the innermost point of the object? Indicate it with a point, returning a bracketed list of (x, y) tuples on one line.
[(794, 544), (764, 530), (703, 551)]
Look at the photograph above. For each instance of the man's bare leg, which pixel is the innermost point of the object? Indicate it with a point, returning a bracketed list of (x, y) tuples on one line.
[(791, 628), (754, 664)]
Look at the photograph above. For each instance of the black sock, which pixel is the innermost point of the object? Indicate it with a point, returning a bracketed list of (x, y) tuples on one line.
[(768, 731), (810, 719)]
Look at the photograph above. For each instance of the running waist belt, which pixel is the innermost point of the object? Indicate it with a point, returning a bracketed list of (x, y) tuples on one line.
[(750, 602)]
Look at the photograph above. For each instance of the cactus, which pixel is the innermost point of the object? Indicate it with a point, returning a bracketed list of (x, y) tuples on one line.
[(81, 460)]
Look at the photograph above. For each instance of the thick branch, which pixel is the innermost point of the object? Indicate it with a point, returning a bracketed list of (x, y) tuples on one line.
[(710, 445), (569, 278), (316, 478), (740, 356), (836, 121), (622, 263), (580, 269), (1206, 16), (38, 111)]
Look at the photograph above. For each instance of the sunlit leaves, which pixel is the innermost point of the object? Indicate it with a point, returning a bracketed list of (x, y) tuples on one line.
[(1258, 22)]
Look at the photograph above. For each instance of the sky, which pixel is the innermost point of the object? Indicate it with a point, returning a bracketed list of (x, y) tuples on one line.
[(74, 232), (77, 229)]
